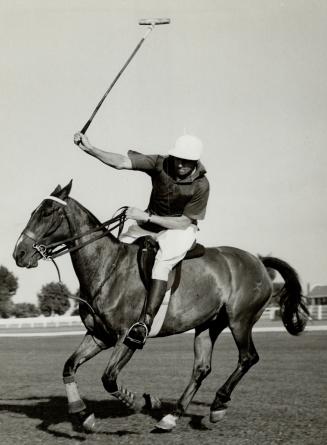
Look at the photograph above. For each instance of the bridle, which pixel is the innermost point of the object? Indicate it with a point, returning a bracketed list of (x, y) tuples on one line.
[(53, 250), (59, 248)]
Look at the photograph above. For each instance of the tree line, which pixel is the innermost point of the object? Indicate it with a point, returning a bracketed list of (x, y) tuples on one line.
[(53, 298)]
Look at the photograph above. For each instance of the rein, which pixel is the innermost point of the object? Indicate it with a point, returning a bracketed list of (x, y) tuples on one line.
[(47, 252)]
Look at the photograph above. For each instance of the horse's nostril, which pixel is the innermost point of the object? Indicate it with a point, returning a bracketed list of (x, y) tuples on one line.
[(22, 254)]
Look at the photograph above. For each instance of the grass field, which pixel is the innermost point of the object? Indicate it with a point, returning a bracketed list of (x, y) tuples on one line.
[(282, 400)]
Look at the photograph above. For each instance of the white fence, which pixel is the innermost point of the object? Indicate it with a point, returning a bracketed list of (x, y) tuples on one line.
[(75, 321), (270, 313), (318, 312), (41, 322)]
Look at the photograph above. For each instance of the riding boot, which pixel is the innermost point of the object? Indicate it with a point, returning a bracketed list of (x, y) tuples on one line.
[(136, 336)]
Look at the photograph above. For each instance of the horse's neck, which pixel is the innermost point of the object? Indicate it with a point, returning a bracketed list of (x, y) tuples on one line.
[(93, 260)]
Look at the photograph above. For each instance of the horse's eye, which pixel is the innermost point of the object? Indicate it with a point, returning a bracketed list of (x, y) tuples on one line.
[(46, 212)]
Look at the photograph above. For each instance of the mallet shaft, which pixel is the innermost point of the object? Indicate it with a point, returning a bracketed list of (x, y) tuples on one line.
[(151, 23), (88, 123)]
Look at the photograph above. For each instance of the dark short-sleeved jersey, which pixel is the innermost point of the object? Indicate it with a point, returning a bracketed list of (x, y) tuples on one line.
[(169, 196)]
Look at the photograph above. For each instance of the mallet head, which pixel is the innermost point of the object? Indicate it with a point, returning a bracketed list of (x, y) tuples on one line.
[(154, 22)]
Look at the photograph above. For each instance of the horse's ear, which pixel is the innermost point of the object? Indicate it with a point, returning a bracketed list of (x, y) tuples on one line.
[(56, 191), (64, 193)]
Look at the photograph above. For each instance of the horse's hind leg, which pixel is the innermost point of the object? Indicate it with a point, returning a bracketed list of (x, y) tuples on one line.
[(204, 341), (86, 350), (248, 357)]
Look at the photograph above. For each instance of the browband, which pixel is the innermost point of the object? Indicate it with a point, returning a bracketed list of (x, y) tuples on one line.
[(54, 198)]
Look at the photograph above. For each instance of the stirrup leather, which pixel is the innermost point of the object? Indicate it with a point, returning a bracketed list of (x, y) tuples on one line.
[(134, 343)]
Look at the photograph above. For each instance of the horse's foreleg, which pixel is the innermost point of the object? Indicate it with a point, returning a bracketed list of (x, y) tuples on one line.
[(119, 358), (248, 357), (86, 350), (203, 345)]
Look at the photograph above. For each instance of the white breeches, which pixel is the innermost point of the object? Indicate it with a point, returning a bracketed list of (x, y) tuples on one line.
[(173, 246)]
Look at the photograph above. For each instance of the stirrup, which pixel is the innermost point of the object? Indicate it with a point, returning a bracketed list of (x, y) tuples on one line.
[(134, 343)]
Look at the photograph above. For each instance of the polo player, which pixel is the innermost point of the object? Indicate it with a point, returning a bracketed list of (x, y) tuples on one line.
[(179, 196)]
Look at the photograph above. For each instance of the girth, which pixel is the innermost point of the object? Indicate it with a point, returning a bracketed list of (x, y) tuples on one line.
[(148, 248)]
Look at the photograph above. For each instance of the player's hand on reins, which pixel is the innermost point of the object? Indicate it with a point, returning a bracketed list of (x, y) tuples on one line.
[(137, 214)]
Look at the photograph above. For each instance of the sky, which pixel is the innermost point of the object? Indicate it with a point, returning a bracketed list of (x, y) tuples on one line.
[(247, 77)]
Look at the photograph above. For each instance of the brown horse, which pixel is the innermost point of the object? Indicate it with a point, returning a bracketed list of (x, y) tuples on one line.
[(227, 287)]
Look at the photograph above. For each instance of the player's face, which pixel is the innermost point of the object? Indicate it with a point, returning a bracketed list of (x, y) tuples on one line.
[(183, 167)]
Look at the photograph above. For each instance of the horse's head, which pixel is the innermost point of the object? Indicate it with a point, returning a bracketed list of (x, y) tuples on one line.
[(47, 224)]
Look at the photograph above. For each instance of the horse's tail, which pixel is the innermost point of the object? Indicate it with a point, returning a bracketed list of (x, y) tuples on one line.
[(294, 312)]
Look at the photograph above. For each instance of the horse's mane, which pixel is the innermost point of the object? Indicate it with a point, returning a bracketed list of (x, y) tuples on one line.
[(90, 214), (94, 219)]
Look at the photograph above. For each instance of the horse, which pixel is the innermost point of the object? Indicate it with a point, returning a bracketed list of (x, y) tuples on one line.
[(226, 287)]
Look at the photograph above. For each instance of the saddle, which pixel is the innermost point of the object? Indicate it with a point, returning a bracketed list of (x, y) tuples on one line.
[(148, 248)]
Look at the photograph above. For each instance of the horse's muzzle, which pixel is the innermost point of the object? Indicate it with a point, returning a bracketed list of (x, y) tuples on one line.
[(24, 254)]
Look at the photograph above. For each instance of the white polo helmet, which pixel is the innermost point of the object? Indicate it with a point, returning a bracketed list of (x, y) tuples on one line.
[(187, 147)]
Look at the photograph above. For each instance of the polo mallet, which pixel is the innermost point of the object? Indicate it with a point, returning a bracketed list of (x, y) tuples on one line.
[(151, 23)]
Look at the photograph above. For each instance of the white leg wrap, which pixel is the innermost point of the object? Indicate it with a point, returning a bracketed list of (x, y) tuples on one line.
[(72, 392)]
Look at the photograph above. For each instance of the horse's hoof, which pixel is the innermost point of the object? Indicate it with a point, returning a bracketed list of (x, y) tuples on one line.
[(216, 416), (167, 423), (89, 424)]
